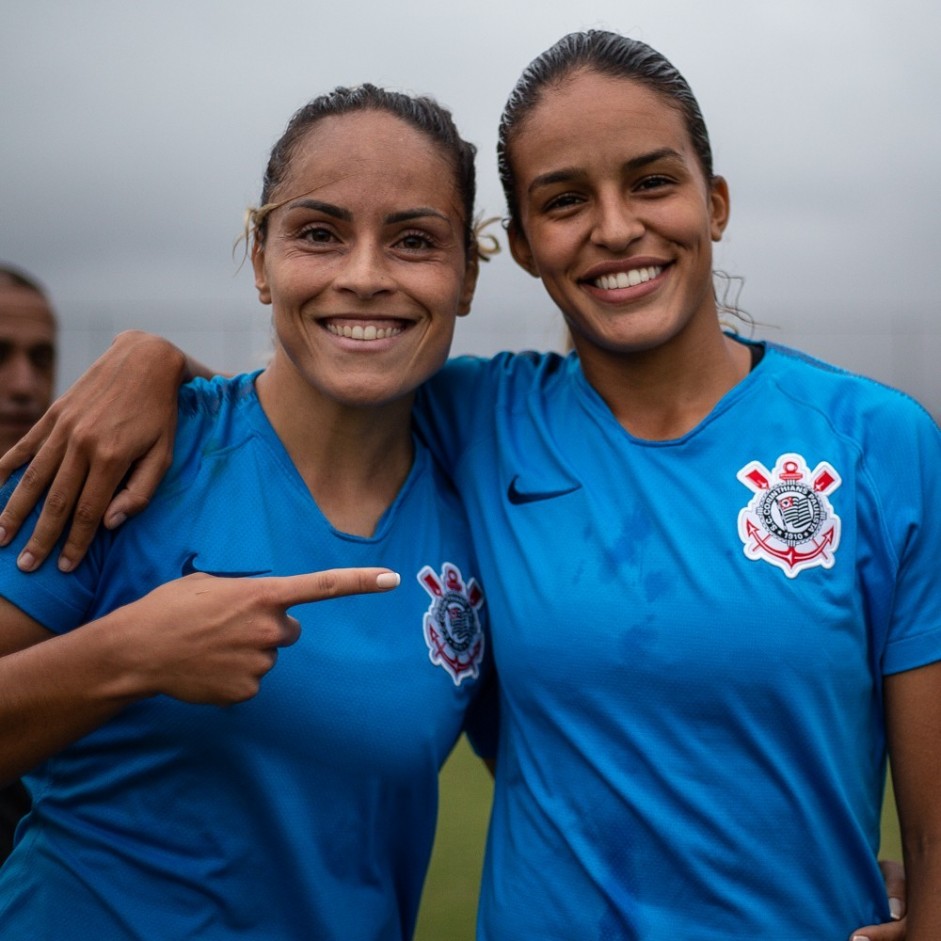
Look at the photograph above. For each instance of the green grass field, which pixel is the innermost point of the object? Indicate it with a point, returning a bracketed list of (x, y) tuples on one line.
[(891, 839), (450, 899), (449, 905)]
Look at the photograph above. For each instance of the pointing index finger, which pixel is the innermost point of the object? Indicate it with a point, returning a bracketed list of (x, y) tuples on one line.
[(331, 583)]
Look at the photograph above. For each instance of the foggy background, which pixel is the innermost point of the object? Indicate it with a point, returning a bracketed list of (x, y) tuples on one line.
[(134, 135)]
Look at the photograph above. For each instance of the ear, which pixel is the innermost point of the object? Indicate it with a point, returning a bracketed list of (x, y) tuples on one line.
[(519, 248), (719, 207), (258, 264), (471, 271)]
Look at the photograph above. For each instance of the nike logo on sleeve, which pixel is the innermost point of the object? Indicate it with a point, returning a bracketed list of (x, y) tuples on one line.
[(189, 568), (518, 497)]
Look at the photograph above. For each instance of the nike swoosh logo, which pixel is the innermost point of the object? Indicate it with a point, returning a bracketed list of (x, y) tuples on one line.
[(189, 567), (517, 497)]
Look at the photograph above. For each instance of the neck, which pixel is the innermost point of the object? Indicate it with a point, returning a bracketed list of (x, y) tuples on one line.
[(664, 393), (354, 459)]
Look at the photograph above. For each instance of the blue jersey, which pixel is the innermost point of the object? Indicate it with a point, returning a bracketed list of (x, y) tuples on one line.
[(691, 637), (306, 812)]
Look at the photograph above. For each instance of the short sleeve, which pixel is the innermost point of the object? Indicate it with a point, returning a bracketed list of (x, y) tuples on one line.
[(58, 601)]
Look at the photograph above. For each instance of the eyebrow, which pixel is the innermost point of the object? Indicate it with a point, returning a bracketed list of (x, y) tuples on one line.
[(328, 209), (419, 213), (564, 174), (336, 212)]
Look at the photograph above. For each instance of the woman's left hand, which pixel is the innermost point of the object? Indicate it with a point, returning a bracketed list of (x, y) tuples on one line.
[(120, 416)]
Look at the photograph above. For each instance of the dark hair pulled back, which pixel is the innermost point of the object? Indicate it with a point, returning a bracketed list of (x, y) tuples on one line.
[(609, 54), (421, 112)]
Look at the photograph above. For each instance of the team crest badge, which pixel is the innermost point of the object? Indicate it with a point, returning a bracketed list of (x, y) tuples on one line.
[(452, 629), (789, 521)]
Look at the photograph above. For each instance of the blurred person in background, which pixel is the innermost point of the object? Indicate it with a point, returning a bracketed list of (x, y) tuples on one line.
[(27, 375)]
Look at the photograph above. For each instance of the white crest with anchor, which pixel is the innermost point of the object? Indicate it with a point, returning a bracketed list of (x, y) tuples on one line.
[(451, 626), (789, 521)]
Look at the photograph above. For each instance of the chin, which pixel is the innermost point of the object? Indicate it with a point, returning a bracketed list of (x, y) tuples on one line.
[(372, 396)]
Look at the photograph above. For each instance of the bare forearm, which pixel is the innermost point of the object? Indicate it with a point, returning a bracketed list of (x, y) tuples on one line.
[(159, 349), (923, 865), (913, 726), (194, 369), (54, 692)]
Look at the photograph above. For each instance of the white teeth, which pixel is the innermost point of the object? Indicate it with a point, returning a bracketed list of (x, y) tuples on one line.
[(359, 332), (627, 279)]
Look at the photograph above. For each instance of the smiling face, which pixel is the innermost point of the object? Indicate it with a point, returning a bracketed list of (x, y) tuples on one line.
[(364, 260), (616, 216)]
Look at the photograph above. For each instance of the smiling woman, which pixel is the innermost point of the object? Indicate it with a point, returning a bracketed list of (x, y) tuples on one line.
[(306, 807)]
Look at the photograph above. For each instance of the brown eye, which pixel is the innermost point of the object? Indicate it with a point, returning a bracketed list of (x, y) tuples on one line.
[(415, 242), (318, 234), (654, 182), (562, 201)]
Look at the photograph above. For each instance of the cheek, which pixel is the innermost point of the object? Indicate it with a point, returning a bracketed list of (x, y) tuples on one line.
[(290, 332), (700, 225), (536, 253), (439, 291), (558, 245), (47, 384), (553, 258)]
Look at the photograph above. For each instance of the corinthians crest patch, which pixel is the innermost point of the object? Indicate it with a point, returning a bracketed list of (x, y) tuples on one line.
[(452, 629), (789, 521)]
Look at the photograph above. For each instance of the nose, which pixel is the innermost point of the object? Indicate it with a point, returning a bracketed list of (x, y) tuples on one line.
[(616, 222), (365, 271)]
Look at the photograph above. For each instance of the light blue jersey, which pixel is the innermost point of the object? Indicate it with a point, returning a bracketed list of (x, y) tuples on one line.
[(305, 813), (691, 637)]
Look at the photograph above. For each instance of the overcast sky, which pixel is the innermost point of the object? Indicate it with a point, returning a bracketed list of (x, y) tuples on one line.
[(135, 134)]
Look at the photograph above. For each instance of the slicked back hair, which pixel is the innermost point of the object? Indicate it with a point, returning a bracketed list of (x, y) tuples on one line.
[(421, 112), (609, 54)]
